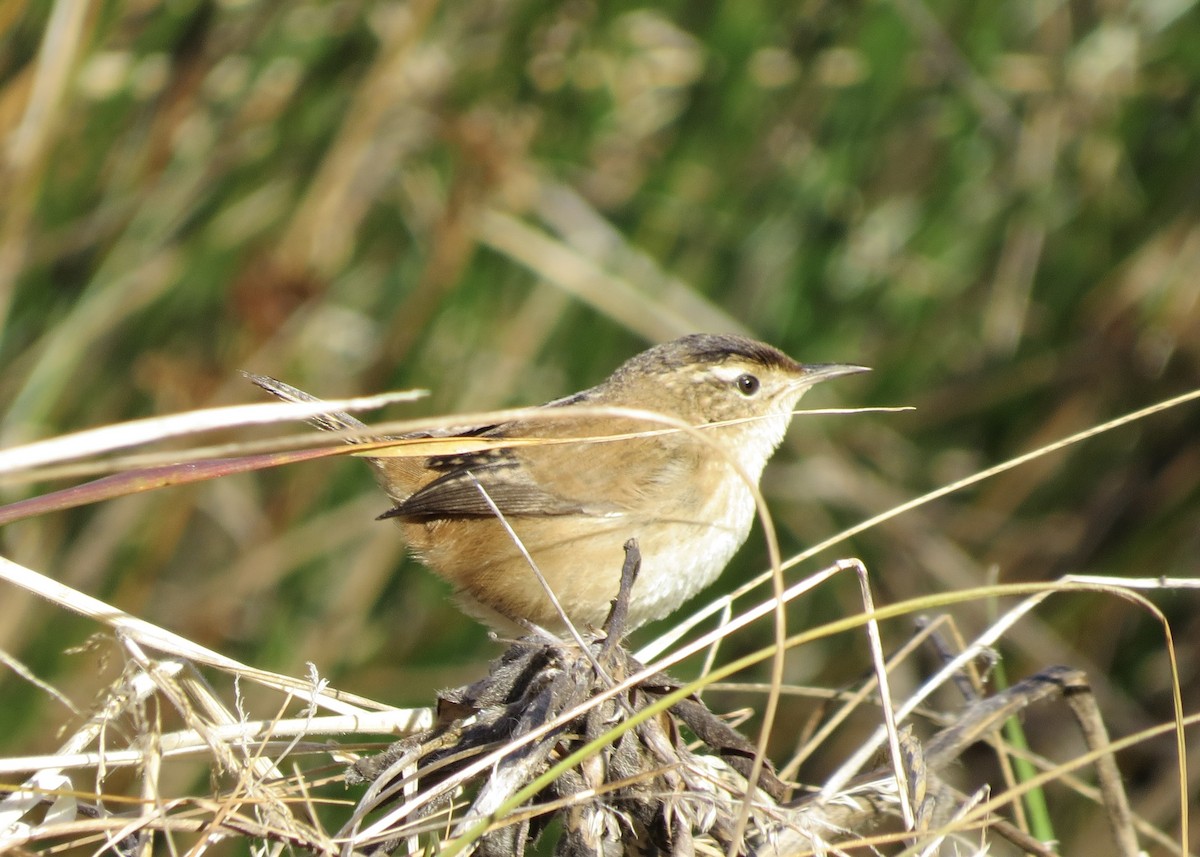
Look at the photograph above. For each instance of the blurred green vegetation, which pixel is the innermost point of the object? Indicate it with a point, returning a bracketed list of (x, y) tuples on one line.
[(994, 205)]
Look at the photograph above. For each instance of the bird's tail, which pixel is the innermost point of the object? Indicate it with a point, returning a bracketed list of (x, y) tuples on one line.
[(332, 421)]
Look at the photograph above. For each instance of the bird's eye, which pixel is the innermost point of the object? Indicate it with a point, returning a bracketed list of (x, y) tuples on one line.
[(747, 384)]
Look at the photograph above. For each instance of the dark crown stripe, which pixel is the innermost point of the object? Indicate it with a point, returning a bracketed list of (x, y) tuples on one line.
[(712, 348)]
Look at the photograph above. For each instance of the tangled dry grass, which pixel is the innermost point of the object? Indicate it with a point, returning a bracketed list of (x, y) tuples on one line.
[(613, 757)]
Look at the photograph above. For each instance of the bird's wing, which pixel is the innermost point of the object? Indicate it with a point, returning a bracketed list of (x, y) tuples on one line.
[(457, 492), (553, 479)]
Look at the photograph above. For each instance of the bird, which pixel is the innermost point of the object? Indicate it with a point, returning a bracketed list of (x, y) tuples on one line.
[(578, 482)]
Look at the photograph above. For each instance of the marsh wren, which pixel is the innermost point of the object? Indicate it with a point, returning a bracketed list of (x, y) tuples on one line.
[(573, 504)]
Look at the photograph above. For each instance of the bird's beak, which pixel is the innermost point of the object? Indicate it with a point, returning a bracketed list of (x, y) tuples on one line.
[(814, 373)]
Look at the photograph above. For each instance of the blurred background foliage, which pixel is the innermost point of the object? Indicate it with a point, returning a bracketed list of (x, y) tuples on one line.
[(994, 205)]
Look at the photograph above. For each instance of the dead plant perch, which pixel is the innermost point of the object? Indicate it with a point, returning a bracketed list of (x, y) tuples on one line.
[(643, 788)]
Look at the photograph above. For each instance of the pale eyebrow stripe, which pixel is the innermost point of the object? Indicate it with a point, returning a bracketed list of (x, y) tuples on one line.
[(727, 372)]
